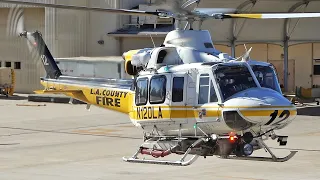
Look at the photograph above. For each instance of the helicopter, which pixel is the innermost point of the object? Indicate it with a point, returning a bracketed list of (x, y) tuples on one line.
[(187, 97)]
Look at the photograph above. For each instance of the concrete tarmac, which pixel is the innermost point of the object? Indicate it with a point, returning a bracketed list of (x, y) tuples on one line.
[(67, 142)]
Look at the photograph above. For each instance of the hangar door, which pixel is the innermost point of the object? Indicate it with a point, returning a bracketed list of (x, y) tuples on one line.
[(278, 64), (14, 52)]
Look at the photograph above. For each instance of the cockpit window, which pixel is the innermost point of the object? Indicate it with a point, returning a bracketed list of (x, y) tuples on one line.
[(266, 77), (233, 79), (208, 45)]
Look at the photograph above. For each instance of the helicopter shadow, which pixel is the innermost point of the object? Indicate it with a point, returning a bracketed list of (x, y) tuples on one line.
[(309, 111), (14, 97)]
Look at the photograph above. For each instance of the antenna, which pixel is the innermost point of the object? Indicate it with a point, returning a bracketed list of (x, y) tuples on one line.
[(152, 41), (247, 50)]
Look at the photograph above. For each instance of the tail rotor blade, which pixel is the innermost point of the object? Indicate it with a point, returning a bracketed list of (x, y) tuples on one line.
[(15, 22), (20, 25)]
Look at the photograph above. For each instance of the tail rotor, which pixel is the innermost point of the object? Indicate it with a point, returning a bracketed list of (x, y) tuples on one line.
[(15, 22), (16, 28)]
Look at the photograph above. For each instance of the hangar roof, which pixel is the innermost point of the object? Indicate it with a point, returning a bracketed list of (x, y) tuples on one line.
[(253, 30)]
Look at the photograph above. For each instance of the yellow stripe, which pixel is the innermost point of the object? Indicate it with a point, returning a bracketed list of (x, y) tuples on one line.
[(174, 114), (167, 114), (179, 114), (262, 113), (253, 16), (226, 107)]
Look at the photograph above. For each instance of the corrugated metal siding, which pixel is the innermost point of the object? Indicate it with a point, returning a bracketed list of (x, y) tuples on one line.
[(99, 25), (129, 4), (14, 49), (5, 5), (70, 30), (50, 33), (137, 43)]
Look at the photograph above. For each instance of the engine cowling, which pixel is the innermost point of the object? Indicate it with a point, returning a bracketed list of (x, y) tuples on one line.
[(136, 60), (130, 69)]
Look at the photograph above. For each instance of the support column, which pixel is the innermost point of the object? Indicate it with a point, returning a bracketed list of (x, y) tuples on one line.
[(286, 61), (233, 48)]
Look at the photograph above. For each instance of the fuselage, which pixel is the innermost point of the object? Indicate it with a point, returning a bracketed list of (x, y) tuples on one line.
[(217, 98)]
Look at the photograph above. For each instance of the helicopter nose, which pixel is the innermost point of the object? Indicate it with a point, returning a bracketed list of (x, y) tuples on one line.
[(258, 107)]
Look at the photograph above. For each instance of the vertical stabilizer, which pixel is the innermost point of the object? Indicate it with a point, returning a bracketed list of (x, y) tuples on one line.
[(37, 43)]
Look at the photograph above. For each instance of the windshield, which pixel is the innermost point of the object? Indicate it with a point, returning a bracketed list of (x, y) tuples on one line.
[(233, 79), (266, 77)]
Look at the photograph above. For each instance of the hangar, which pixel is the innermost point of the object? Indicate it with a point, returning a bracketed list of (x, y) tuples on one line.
[(285, 43)]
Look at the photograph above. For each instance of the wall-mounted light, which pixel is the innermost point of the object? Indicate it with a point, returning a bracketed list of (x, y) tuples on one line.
[(101, 42)]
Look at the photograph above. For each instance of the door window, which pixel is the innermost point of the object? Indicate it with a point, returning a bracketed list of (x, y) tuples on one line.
[(203, 89), (207, 92), (213, 94), (157, 89), (142, 91), (177, 89)]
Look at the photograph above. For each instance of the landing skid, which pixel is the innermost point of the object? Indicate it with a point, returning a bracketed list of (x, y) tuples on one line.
[(181, 162), (273, 158), (270, 159)]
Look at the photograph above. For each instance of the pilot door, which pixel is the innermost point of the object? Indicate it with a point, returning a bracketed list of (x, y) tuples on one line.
[(151, 99), (207, 100), (178, 108)]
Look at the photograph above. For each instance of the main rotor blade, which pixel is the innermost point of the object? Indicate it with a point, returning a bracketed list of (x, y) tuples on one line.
[(107, 10), (272, 15)]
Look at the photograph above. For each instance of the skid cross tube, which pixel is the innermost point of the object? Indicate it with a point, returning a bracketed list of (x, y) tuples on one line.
[(181, 162)]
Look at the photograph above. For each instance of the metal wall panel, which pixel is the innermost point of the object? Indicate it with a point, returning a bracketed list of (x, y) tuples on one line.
[(5, 5), (14, 49), (223, 48), (275, 52), (102, 23), (99, 24), (302, 54), (137, 43), (259, 51), (129, 4), (70, 30)]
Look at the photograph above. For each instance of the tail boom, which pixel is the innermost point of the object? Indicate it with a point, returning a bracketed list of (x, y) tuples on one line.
[(112, 98), (107, 93)]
